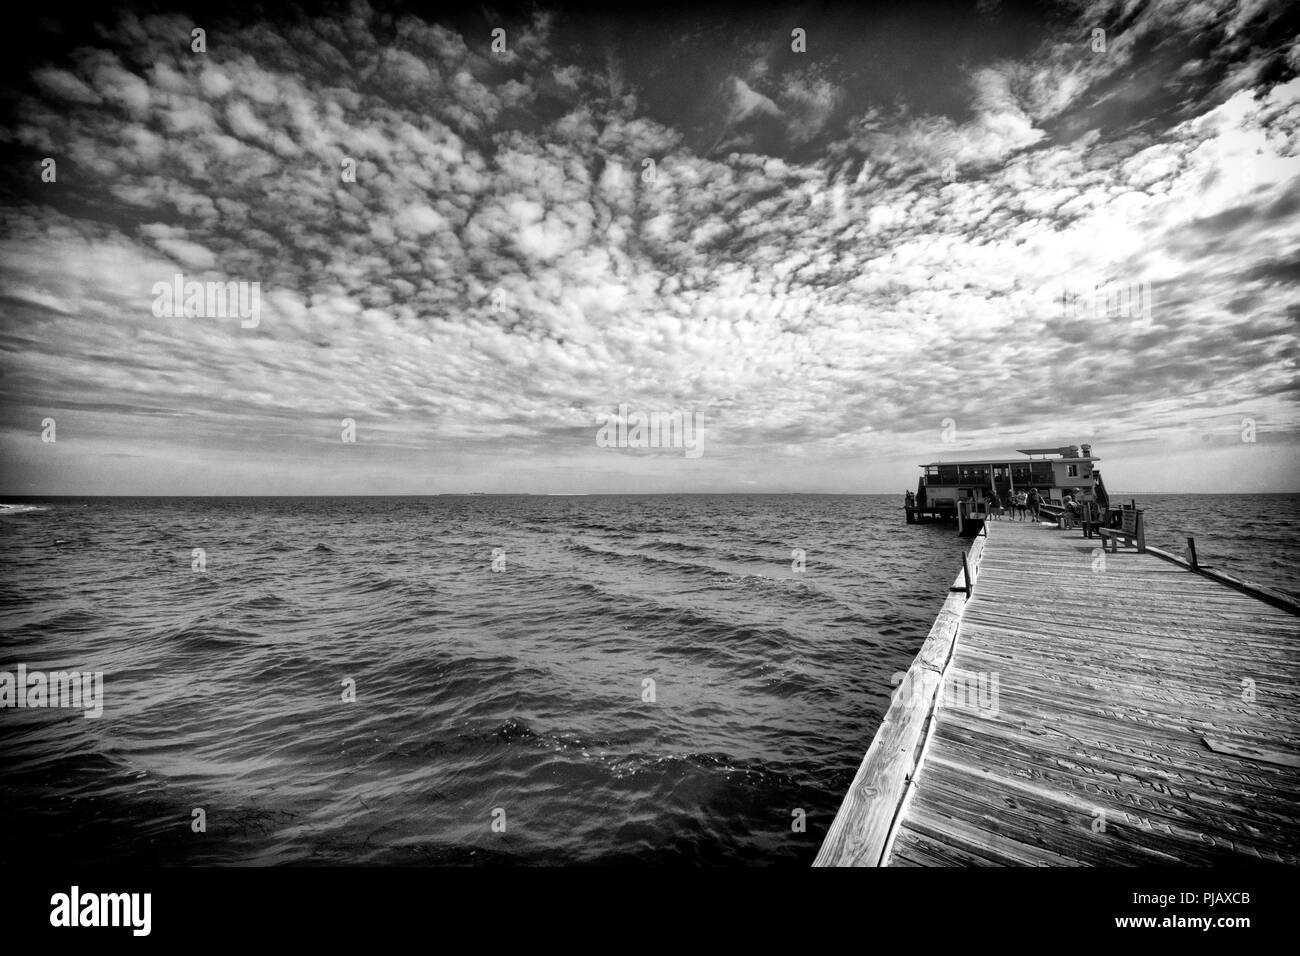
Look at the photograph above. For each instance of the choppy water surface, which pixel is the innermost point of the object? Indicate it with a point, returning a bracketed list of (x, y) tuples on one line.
[(516, 695)]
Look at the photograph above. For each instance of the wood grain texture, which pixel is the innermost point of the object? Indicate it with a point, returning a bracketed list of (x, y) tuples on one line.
[(1125, 711)]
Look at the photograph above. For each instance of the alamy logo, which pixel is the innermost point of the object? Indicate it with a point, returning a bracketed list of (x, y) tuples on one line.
[(74, 689), (961, 689), (103, 909), (1114, 301), (651, 430), (208, 300)]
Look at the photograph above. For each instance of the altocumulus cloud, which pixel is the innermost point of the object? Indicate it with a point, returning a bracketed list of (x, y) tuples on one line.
[(831, 256)]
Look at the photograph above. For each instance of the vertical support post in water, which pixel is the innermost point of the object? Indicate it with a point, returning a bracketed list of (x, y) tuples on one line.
[(965, 571), (961, 511), (1191, 551)]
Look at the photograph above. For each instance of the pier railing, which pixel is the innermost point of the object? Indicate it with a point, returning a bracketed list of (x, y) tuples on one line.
[(1190, 561), (861, 829)]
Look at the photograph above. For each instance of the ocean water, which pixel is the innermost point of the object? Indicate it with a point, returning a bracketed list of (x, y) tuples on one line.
[(644, 680)]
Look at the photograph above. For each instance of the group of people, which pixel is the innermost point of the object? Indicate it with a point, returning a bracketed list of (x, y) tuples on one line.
[(1013, 505), (1080, 507)]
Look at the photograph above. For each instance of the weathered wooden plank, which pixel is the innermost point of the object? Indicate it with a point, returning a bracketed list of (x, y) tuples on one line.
[(1281, 757)]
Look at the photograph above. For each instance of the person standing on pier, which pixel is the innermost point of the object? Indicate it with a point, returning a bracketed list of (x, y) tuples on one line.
[(1033, 503)]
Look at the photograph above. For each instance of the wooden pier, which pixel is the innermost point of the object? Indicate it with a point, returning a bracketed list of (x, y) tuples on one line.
[(1086, 708)]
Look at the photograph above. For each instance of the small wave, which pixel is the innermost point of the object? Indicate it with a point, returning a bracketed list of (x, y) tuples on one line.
[(706, 632), (645, 560), (598, 526), (262, 602), (719, 553), (513, 729), (681, 547), (73, 620), (19, 509), (676, 763), (375, 584), (199, 637)]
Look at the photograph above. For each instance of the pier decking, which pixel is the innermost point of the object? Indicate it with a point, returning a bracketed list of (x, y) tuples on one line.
[(1085, 713)]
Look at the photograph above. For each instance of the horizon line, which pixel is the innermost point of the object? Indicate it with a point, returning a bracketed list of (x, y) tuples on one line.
[(585, 494)]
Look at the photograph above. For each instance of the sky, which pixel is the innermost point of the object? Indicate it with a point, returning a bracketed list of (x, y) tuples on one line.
[(843, 242)]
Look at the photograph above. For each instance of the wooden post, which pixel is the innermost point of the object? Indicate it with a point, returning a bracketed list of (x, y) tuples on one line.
[(965, 570), (1191, 551)]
